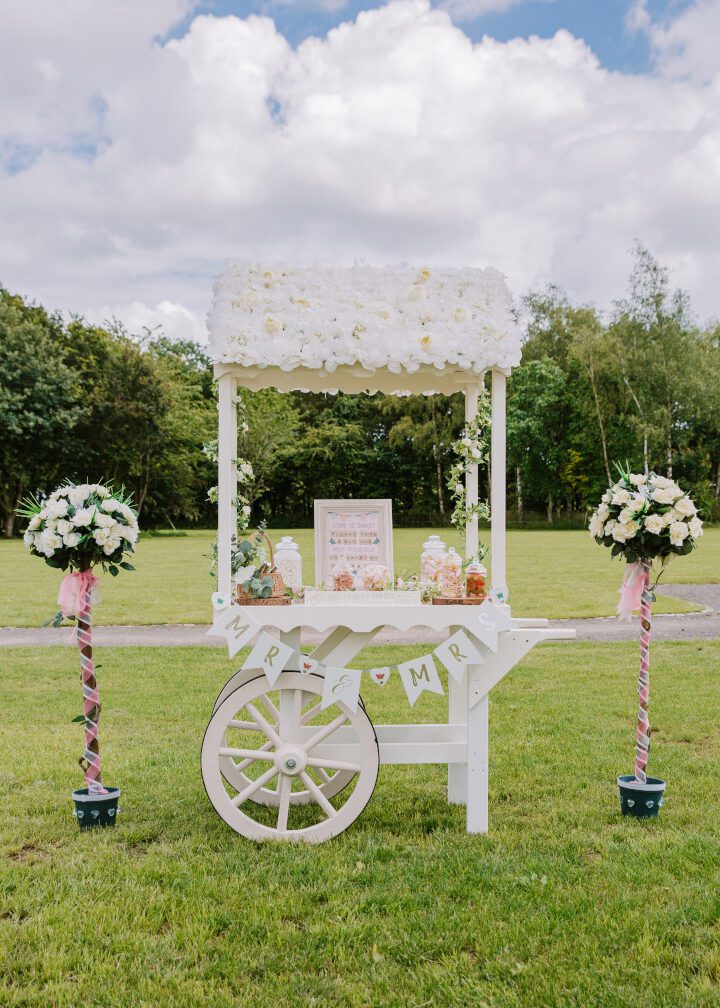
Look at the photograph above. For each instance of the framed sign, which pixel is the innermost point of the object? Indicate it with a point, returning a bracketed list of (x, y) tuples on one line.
[(352, 532)]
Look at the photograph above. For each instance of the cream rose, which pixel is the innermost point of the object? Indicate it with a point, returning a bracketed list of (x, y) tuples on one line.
[(696, 527), (620, 497), (678, 533), (654, 523), (663, 495), (685, 506), (638, 479)]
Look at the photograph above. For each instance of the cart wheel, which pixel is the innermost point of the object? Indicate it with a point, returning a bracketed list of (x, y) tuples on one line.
[(330, 782), (301, 753)]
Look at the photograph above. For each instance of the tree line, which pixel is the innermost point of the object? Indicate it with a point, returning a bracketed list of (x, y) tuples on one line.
[(641, 383)]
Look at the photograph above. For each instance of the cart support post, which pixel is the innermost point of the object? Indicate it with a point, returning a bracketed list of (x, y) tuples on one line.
[(497, 486), (477, 764), (227, 479)]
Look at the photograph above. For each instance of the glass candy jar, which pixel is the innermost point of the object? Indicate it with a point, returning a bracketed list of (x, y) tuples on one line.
[(375, 576), (289, 562), (450, 579), (431, 559), (476, 581), (343, 577)]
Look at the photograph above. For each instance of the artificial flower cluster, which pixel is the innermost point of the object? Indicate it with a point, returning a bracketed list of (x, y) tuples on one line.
[(470, 450), (80, 525), (395, 317), (646, 516)]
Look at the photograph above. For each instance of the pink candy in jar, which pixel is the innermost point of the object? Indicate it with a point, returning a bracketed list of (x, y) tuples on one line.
[(451, 579), (343, 577), (375, 576), (432, 559)]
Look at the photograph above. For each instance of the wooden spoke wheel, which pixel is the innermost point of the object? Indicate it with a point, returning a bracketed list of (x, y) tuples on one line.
[(270, 703), (272, 761)]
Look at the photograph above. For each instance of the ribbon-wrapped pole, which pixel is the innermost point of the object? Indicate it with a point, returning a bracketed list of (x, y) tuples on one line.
[(75, 599), (642, 738)]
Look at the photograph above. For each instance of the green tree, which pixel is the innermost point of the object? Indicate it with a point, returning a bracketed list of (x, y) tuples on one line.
[(39, 406)]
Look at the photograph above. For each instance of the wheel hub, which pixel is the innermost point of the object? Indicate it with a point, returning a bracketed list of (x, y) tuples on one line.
[(290, 760)]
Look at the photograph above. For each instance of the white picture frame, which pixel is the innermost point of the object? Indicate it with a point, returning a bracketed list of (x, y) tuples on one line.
[(366, 518)]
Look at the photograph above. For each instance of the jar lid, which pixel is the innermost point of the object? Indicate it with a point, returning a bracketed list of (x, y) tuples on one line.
[(475, 568), (434, 542), (287, 543)]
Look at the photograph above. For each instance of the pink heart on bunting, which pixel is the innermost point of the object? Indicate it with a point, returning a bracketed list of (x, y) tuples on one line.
[(380, 675)]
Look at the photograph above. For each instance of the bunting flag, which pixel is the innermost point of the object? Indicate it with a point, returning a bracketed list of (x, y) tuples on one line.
[(309, 665), (235, 625), (269, 656), (380, 676), (491, 619), (419, 676), (457, 652), (343, 685)]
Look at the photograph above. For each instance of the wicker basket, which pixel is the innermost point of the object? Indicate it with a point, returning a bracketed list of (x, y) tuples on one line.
[(278, 596)]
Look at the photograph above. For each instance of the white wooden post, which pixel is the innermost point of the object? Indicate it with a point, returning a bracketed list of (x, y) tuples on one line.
[(227, 479), (457, 692), (477, 764), (497, 487)]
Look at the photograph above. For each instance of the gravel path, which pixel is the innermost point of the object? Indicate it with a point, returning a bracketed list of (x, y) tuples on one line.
[(681, 626)]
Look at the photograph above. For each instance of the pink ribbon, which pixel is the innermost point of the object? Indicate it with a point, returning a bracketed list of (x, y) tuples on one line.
[(74, 590), (631, 591)]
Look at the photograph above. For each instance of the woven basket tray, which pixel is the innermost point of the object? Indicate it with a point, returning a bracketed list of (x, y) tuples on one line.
[(278, 596)]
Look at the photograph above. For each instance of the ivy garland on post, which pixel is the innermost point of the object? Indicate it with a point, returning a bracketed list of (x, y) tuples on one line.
[(245, 477), (470, 449)]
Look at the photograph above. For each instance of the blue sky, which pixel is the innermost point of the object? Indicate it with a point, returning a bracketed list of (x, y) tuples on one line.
[(600, 22)]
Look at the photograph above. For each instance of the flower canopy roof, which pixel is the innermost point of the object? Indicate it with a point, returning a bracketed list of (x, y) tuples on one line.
[(363, 320)]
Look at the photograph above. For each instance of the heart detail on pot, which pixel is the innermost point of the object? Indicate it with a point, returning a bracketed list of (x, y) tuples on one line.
[(630, 802), (649, 804), (380, 675)]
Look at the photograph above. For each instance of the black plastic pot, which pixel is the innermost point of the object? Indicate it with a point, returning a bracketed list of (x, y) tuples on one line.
[(96, 809), (640, 800)]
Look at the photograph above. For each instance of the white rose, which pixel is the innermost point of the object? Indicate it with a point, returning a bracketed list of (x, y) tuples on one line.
[(606, 497), (72, 538), (63, 527), (101, 536), (678, 533), (627, 514), (111, 504), (111, 545), (603, 511), (668, 518), (661, 481), (654, 524), (84, 517), (596, 525), (631, 528), (129, 533), (685, 506), (99, 489), (609, 526), (56, 508), (696, 527), (638, 479), (663, 495), (246, 509), (104, 520), (48, 542), (34, 523), (618, 533), (620, 496), (78, 494)]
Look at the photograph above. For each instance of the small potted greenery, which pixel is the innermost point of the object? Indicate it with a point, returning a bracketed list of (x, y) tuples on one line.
[(646, 519)]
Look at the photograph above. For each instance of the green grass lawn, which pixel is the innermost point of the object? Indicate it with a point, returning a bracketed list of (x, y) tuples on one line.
[(553, 574), (564, 903)]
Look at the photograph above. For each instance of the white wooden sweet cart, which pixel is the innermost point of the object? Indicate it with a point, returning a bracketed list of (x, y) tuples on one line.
[(274, 764)]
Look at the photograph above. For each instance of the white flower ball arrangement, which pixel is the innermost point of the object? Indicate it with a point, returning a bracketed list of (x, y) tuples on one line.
[(643, 517), (79, 526)]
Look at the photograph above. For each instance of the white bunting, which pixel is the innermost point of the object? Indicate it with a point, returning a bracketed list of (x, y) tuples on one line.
[(457, 652), (380, 676), (418, 676), (220, 601), (341, 685), (497, 614), (235, 625), (269, 656)]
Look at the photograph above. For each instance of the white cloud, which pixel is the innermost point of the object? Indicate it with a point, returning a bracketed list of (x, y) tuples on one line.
[(471, 10), (137, 167), (687, 45)]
